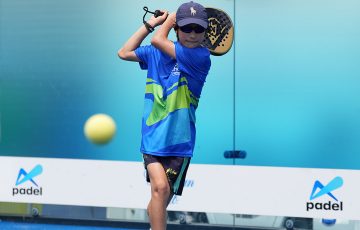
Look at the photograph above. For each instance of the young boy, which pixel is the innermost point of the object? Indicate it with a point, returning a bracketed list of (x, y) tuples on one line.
[(176, 72)]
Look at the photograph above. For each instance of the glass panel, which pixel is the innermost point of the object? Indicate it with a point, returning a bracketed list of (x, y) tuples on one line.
[(297, 90)]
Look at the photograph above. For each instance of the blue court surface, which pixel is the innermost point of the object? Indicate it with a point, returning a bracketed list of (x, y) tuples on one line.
[(9, 225)]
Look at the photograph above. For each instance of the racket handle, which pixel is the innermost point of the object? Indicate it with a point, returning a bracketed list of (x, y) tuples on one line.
[(158, 13)]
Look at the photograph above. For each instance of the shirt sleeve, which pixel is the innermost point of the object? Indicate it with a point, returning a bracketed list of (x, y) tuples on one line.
[(143, 53)]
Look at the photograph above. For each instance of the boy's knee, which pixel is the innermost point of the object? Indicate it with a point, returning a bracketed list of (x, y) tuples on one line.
[(162, 189)]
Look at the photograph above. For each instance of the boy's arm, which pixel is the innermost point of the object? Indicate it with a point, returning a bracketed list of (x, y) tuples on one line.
[(127, 52), (160, 39)]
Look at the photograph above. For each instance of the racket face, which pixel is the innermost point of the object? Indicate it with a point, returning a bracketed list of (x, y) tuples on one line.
[(220, 33)]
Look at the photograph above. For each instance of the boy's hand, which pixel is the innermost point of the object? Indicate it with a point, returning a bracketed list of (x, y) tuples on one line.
[(171, 19), (154, 22)]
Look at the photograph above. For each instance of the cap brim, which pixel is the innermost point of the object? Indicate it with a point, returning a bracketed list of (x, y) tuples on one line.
[(197, 21)]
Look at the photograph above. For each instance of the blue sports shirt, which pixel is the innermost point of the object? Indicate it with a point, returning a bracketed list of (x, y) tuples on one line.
[(172, 93)]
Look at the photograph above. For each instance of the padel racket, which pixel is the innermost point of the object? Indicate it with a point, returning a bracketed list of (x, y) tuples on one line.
[(220, 33)]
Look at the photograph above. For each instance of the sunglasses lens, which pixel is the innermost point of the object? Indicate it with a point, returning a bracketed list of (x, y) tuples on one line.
[(186, 29), (190, 28), (199, 29)]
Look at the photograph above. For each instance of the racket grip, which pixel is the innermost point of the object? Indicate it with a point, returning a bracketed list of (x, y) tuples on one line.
[(158, 13)]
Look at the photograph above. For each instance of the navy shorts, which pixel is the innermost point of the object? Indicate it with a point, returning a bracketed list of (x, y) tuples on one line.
[(175, 169)]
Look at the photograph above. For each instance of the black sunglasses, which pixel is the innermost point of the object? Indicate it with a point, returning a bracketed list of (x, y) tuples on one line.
[(189, 28)]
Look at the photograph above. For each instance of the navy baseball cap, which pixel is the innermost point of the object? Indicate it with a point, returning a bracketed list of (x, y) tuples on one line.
[(191, 13)]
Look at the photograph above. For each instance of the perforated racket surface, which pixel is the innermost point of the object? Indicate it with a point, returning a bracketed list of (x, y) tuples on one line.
[(220, 33)]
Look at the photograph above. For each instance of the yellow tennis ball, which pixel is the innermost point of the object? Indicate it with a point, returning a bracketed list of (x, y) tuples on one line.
[(100, 129)]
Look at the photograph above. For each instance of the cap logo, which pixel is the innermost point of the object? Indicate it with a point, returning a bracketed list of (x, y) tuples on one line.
[(192, 11)]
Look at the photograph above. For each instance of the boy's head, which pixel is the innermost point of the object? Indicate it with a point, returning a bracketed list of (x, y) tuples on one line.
[(191, 23)]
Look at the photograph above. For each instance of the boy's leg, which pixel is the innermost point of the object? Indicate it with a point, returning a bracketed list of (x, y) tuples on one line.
[(160, 194)]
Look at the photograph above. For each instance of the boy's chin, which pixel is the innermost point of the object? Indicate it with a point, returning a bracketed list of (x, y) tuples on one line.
[(191, 45)]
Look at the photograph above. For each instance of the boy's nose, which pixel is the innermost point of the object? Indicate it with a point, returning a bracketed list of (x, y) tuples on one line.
[(192, 33)]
